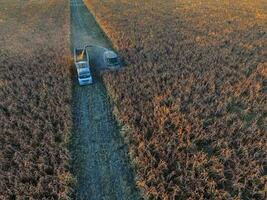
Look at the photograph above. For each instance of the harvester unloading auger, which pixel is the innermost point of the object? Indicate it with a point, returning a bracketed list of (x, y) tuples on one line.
[(84, 49), (108, 59)]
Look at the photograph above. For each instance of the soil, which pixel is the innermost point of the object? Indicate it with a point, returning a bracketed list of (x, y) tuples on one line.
[(99, 154)]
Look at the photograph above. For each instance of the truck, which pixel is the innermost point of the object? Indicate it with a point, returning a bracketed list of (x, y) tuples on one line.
[(81, 61)]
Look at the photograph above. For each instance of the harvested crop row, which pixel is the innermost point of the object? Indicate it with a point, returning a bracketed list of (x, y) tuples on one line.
[(35, 113), (193, 94)]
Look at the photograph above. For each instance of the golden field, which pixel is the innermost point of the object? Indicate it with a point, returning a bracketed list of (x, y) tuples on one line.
[(192, 97), (35, 93)]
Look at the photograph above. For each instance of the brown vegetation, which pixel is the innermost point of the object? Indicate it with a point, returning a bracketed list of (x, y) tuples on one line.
[(35, 114), (193, 94)]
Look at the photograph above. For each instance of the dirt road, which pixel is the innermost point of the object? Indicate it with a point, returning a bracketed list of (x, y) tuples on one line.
[(100, 161)]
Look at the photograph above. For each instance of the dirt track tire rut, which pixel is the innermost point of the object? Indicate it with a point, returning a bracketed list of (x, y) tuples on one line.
[(100, 161)]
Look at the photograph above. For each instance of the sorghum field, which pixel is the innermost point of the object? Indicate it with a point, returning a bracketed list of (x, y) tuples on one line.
[(193, 95), (35, 93)]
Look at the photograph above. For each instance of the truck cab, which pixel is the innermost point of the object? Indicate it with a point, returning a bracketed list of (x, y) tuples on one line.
[(84, 73)]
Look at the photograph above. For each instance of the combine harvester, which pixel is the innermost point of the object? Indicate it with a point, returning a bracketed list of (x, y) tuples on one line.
[(108, 59)]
